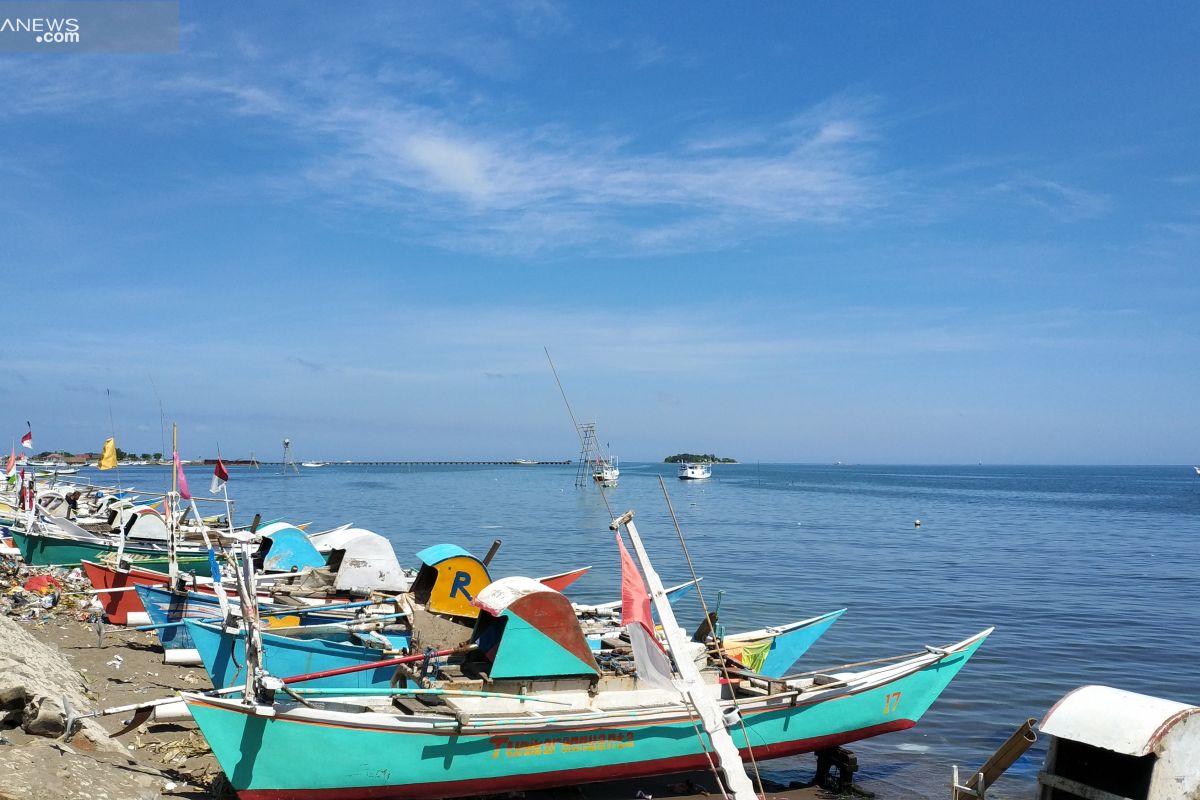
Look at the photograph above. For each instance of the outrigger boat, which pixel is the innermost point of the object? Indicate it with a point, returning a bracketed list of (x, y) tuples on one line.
[(306, 648), (440, 594), (528, 705)]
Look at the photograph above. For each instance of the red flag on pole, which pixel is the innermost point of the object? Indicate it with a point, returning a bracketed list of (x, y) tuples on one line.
[(27, 440), (649, 656), (220, 476), (183, 487)]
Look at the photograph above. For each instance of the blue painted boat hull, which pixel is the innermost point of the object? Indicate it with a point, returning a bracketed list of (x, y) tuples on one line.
[(223, 654)]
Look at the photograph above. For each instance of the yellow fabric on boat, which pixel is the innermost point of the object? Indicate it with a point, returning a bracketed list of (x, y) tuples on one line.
[(108, 454), (289, 621), (751, 654)]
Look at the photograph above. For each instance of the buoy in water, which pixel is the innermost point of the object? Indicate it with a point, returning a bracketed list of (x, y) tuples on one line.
[(916, 523)]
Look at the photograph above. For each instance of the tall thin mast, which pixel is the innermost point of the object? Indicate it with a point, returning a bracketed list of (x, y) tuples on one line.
[(691, 684), (172, 513)]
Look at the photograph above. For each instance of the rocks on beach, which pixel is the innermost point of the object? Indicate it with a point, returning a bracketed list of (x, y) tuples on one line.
[(37, 677)]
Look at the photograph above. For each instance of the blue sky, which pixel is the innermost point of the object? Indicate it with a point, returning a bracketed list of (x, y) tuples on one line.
[(784, 232)]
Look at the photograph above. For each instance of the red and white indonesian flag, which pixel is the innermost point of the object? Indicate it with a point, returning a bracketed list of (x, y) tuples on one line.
[(653, 666), (220, 476), (27, 440), (184, 494)]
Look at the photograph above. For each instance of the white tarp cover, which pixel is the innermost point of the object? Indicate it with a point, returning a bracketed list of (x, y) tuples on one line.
[(499, 595), (369, 563), (1114, 719)]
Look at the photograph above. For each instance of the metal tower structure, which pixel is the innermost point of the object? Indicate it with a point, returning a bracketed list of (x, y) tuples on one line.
[(288, 461), (589, 451)]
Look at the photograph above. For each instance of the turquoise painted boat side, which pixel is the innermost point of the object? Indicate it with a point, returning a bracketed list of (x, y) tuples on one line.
[(437, 553), (224, 657), (258, 753), (291, 549), (43, 551), (789, 646)]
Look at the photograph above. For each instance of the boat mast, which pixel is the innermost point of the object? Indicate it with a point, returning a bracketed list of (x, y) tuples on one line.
[(585, 431), (691, 684), (172, 512)]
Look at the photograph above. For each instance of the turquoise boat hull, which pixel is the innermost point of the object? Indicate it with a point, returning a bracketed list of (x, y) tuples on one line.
[(224, 657), (43, 551), (374, 755)]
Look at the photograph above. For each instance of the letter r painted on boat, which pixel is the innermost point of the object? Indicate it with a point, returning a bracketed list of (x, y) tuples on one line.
[(461, 581)]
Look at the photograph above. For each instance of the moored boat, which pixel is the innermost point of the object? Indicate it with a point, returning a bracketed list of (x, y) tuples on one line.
[(689, 471), (530, 707)]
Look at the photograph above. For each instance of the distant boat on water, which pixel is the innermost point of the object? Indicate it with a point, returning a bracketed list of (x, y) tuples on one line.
[(1197, 470), (694, 472), (312, 464), (607, 470)]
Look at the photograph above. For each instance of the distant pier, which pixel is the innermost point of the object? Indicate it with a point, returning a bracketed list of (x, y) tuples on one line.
[(245, 462)]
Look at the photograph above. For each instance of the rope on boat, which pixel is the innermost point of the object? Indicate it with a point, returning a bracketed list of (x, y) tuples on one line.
[(716, 640)]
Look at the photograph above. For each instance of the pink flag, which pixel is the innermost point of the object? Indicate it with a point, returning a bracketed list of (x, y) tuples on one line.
[(183, 487), (635, 600), (12, 462), (648, 655), (220, 476)]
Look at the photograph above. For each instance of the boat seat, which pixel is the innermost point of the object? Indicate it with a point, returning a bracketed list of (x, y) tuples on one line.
[(827, 681), (409, 705)]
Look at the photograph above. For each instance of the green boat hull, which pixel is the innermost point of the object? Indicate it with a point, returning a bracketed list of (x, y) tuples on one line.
[(45, 551), (271, 757)]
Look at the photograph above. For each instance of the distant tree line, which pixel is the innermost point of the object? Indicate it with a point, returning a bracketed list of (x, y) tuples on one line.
[(121, 455), (693, 458)]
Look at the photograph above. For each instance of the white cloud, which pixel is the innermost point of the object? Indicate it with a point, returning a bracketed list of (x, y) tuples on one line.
[(1066, 203)]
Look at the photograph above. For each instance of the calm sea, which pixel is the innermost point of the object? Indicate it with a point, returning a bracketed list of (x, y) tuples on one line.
[(1088, 573)]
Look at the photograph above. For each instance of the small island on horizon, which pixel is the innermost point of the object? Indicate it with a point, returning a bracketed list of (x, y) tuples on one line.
[(693, 458)]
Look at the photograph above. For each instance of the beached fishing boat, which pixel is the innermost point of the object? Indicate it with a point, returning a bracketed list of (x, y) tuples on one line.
[(56, 548), (440, 596), (531, 707), (222, 651), (124, 606), (767, 651), (526, 705), (694, 472)]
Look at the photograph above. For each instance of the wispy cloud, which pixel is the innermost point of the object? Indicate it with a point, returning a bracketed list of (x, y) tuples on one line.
[(479, 174), (1065, 203)]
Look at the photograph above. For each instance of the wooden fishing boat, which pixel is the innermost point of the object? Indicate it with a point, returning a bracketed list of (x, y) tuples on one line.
[(124, 607), (530, 707), (312, 648), (444, 586), (223, 654), (44, 548)]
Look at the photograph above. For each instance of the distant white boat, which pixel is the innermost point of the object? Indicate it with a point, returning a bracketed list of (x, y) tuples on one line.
[(1197, 470), (312, 464), (694, 472), (606, 471), (523, 461)]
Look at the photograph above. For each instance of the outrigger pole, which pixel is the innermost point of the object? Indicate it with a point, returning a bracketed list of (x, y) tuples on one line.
[(691, 685)]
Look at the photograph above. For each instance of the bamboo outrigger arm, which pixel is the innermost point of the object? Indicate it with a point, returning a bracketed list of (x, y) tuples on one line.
[(1004, 757)]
